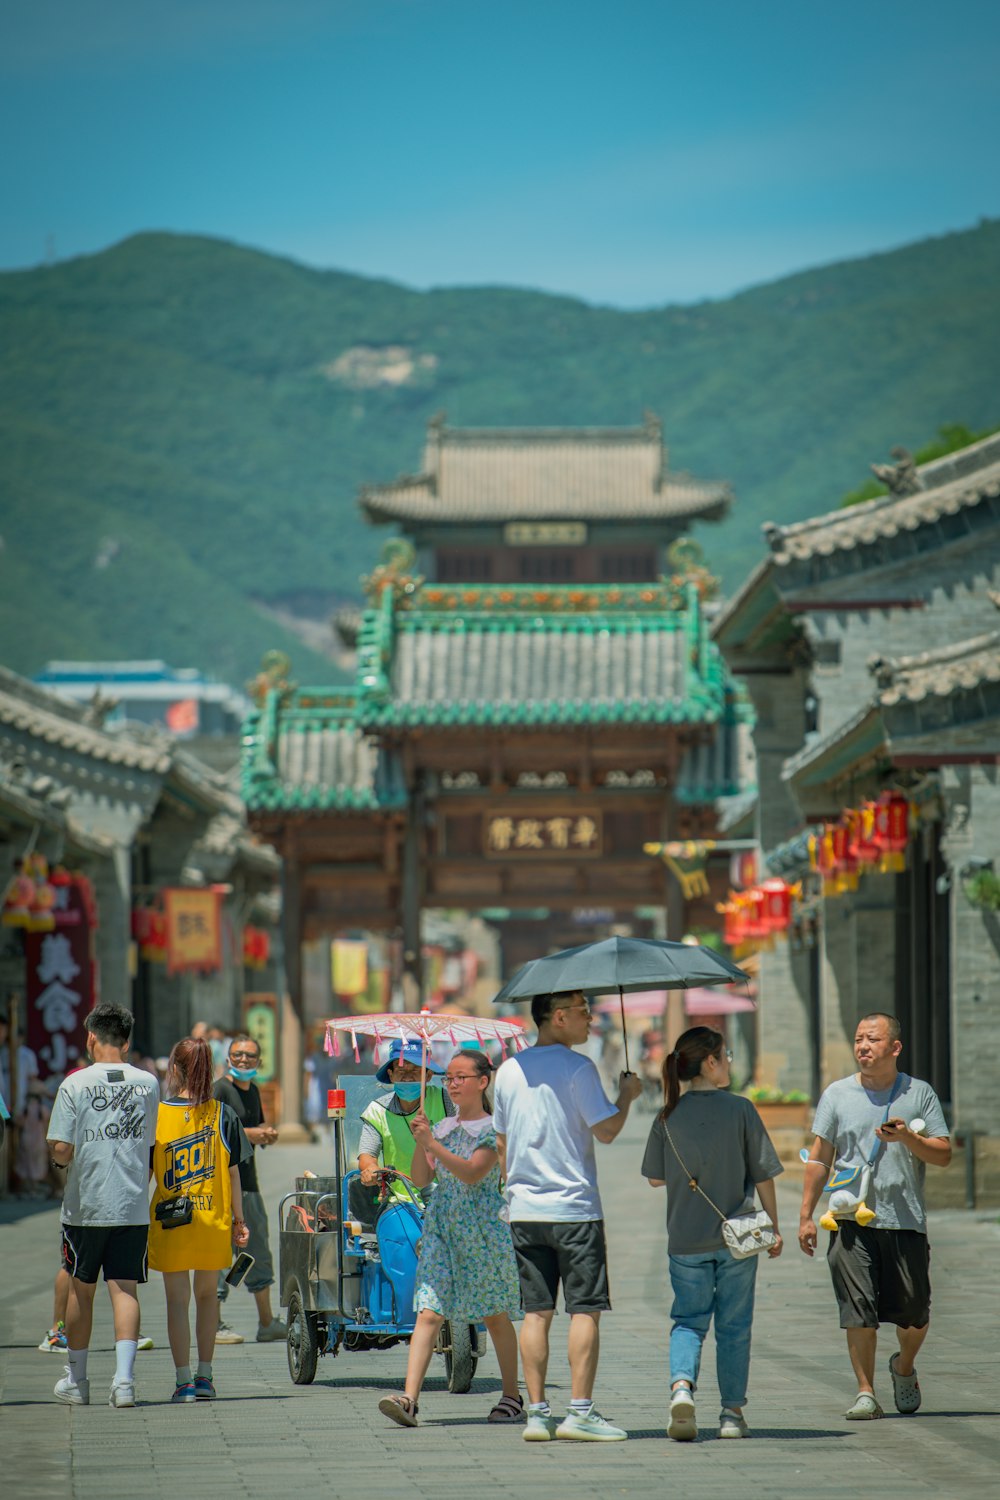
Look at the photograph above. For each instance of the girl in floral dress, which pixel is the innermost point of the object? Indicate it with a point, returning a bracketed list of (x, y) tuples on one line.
[(466, 1272)]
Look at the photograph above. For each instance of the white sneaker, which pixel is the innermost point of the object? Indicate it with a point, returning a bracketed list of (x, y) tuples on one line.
[(70, 1393), (122, 1393), (732, 1424), (589, 1429), (226, 1335), (145, 1342), (539, 1428), (682, 1426)]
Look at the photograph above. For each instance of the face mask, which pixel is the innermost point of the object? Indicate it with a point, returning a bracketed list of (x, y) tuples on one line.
[(406, 1091), (244, 1074)]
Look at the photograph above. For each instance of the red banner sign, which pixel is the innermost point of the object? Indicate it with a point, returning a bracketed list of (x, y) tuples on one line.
[(60, 979)]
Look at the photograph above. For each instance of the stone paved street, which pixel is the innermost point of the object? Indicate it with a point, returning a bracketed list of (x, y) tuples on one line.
[(268, 1438)]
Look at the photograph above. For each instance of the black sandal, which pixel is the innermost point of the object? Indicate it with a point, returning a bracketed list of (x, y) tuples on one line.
[(400, 1409), (507, 1409)]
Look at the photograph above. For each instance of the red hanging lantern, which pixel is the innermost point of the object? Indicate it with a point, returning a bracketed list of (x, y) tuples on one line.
[(867, 849), (256, 947), (151, 935), (734, 924), (756, 918), (777, 905), (17, 904), (860, 830), (41, 917), (845, 864), (892, 830)]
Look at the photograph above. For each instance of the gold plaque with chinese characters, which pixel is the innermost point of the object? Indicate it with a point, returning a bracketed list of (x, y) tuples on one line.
[(540, 835), (545, 533)]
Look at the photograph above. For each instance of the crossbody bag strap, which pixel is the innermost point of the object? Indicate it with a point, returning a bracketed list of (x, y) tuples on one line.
[(693, 1182), (876, 1148)]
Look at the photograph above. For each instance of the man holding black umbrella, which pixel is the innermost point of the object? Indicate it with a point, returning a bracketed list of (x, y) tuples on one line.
[(549, 1109)]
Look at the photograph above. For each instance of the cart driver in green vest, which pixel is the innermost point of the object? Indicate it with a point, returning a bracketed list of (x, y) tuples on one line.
[(386, 1138)]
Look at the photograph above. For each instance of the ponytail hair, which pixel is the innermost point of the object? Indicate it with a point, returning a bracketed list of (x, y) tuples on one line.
[(685, 1063), (191, 1069)]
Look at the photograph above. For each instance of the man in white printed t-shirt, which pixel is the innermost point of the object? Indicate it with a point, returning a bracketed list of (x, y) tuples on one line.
[(549, 1108), (103, 1127)]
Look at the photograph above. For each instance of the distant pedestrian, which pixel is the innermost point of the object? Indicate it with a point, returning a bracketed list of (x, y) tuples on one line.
[(199, 1147), (216, 1038), (102, 1127), (549, 1109), (715, 1139), (880, 1271), (239, 1091), (466, 1272), (26, 1068)]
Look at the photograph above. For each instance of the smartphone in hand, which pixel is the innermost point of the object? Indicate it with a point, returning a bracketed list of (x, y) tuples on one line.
[(239, 1269)]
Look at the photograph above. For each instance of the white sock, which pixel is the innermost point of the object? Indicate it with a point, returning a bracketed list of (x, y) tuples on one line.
[(540, 1408), (204, 1370), (77, 1364), (581, 1407), (182, 1374), (125, 1360)]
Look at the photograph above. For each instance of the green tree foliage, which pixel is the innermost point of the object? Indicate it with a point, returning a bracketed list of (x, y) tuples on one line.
[(950, 438), (186, 423)]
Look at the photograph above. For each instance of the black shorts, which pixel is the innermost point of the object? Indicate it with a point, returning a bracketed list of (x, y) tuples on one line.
[(573, 1252), (119, 1250), (880, 1276)]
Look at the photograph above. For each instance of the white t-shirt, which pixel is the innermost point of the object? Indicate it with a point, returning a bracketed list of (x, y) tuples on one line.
[(107, 1112), (546, 1101)]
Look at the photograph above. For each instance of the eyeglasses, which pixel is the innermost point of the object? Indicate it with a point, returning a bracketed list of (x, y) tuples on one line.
[(585, 1007), (453, 1078), (243, 1056)]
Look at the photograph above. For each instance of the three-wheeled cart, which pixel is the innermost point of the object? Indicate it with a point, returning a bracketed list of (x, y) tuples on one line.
[(349, 1286)]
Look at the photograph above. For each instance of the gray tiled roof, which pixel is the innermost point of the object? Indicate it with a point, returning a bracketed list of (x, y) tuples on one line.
[(960, 667), (935, 674), (228, 839), (28, 710), (544, 473), (950, 487)]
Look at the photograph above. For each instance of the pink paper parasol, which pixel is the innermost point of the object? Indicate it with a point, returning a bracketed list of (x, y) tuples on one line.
[(424, 1026)]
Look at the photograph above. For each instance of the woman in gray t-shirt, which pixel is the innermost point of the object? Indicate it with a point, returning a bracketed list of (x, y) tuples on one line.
[(715, 1139)]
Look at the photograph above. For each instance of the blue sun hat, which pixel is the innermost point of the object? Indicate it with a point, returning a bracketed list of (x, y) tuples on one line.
[(410, 1052)]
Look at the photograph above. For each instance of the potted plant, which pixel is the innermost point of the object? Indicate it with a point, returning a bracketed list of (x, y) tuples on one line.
[(779, 1108)]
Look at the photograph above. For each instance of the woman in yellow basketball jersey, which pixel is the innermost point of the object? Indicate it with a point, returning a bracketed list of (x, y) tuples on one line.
[(199, 1146)]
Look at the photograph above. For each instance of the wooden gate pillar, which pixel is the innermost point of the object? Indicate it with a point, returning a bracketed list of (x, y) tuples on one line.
[(412, 898)]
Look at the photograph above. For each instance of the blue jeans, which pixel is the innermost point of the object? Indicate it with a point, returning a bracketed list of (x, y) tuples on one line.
[(710, 1284)]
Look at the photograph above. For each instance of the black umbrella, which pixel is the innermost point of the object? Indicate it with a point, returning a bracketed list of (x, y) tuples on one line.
[(622, 965)]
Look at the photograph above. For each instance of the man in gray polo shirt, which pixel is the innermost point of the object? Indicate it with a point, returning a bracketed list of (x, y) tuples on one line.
[(880, 1271)]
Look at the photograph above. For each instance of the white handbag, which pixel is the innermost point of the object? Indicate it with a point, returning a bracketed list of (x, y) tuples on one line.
[(744, 1234)]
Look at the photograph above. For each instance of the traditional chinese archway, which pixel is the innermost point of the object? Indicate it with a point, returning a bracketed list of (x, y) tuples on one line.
[(506, 744), (471, 769)]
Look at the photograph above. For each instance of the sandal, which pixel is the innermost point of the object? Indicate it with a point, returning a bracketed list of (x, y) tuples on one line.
[(507, 1409), (400, 1409)]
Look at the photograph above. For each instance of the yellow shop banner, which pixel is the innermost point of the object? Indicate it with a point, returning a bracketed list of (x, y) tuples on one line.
[(194, 929)]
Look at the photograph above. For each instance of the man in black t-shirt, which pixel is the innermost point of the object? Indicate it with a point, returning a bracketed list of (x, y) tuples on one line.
[(238, 1090)]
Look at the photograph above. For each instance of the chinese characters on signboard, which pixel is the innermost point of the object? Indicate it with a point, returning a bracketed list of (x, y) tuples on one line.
[(194, 929), (512, 835), (60, 979)]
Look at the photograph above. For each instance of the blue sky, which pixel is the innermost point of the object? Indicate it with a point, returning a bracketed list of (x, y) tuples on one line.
[(635, 152)]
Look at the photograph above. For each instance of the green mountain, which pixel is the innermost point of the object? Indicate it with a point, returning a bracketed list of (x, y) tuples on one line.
[(185, 423)]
